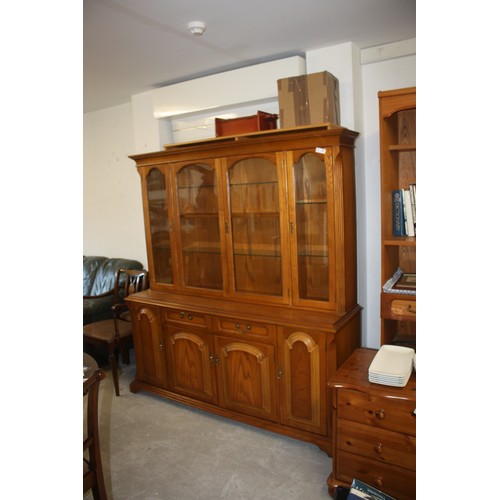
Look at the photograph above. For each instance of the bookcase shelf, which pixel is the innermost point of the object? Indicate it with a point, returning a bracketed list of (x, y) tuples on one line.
[(400, 241), (398, 149), (401, 148)]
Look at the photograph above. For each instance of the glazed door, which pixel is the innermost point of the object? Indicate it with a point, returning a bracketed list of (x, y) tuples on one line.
[(157, 217), (199, 215), (312, 230), (246, 376), (255, 225)]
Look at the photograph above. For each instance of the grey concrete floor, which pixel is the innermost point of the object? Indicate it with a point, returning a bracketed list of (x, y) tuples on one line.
[(157, 449)]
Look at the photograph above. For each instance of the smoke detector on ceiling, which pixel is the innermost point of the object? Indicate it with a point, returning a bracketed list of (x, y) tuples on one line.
[(197, 27)]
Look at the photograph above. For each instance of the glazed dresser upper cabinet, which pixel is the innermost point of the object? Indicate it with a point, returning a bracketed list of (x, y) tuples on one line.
[(265, 218), (398, 150), (251, 244)]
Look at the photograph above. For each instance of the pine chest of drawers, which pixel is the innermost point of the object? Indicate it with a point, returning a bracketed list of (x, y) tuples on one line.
[(374, 430)]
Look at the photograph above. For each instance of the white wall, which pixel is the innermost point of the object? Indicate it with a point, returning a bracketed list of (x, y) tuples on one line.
[(112, 207), (113, 223)]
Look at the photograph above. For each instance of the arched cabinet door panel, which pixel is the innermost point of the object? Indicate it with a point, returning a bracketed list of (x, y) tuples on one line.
[(190, 361), (301, 369), (246, 374), (149, 345)]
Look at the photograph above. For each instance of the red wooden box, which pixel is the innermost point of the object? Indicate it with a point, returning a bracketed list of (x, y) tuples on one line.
[(245, 124)]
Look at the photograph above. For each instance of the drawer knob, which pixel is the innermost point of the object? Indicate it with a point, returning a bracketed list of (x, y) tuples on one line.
[(378, 482), (248, 327), (380, 414), (238, 326), (378, 448)]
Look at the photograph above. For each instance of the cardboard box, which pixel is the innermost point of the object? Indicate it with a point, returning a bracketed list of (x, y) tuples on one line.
[(244, 124), (309, 100)]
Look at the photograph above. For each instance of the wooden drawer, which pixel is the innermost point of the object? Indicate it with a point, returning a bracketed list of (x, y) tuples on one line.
[(385, 446), (185, 317), (245, 329), (395, 481), (398, 307), (388, 413)]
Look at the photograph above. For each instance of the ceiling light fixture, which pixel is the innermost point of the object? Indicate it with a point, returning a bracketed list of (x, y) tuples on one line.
[(197, 27)]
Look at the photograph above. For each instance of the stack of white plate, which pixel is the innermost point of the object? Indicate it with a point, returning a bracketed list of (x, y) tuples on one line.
[(392, 365)]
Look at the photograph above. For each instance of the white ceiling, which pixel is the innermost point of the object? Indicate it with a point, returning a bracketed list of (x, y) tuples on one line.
[(131, 46)]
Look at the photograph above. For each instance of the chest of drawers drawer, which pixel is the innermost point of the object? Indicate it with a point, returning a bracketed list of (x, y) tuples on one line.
[(395, 481), (378, 444), (385, 413)]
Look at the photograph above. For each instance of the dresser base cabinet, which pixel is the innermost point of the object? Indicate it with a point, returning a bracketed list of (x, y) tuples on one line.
[(265, 366), (374, 430)]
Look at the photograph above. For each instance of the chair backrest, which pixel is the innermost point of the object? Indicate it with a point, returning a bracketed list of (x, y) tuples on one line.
[(93, 477), (128, 281)]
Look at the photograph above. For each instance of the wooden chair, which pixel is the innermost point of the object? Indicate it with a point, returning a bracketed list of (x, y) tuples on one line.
[(93, 477), (116, 334)]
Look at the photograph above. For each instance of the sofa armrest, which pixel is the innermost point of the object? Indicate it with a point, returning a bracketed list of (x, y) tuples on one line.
[(107, 294)]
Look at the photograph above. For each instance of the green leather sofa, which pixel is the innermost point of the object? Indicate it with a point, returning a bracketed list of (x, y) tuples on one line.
[(98, 283)]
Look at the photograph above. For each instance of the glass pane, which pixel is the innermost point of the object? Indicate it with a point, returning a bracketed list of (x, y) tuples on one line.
[(160, 229), (311, 227), (254, 201), (197, 198)]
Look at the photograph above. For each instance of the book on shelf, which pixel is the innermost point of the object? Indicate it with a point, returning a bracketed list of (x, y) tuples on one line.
[(404, 211), (407, 281), (360, 489), (413, 202), (398, 225), (408, 211), (402, 283)]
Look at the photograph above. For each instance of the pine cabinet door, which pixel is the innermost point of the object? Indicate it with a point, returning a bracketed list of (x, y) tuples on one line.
[(246, 374), (256, 227), (301, 373), (312, 227), (199, 214), (149, 345), (190, 361), (158, 221)]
